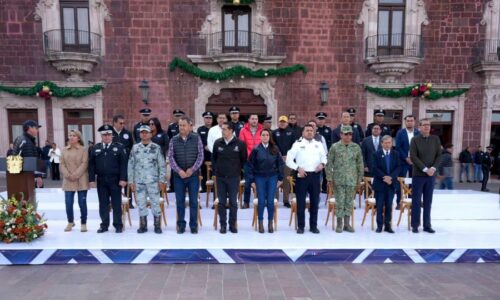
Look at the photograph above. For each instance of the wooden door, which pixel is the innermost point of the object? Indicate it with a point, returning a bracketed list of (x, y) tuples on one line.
[(16, 118)]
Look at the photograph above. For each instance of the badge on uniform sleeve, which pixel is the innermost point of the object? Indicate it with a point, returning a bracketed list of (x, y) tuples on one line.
[(220, 149), (125, 136), (236, 148), (289, 133), (159, 135), (355, 126), (115, 149), (326, 130), (97, 150), (278, 134)]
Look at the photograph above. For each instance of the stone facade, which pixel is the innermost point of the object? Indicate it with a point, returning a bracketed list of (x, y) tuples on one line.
[(141, 37)]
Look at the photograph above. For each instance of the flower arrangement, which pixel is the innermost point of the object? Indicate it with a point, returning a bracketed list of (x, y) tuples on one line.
[(422, 90), (19, 221)]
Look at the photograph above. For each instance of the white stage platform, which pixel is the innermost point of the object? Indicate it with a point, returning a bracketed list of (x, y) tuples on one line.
[(467, 225)]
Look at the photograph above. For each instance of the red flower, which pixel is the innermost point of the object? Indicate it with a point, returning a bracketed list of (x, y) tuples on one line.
[(38, 217), (24, 212), (19, 220), (11, 209), (414, 92), (422, 88)]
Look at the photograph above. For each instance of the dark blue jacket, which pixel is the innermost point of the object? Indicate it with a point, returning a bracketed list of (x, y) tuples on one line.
[(403, 145), (262, 163), (380, 170), (110, 163)]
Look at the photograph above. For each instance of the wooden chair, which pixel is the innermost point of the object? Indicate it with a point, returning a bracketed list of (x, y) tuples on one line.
[(256, 210), (216, 205), (360, 191), (186, 204), (210, 181), (162, 200), (293, 210), (370, 203), (330, 199), (241, 192), (126, 209), (406, 202)]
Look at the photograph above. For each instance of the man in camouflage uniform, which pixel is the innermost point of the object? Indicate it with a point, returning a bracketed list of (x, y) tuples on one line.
[(344, 169), (147, 172)]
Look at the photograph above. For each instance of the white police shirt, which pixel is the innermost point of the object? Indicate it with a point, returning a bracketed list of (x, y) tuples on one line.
[(306, 154)]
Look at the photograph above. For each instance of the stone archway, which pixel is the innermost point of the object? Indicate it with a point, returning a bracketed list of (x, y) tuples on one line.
[(263, 88), (245, 99)]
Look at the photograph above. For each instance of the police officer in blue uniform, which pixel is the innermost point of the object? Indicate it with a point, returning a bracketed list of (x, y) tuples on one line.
[(173, 128), (108, 161), (326, 132), (379, 119), (145, 113), (234, 114), (208, 120), (355, 126)]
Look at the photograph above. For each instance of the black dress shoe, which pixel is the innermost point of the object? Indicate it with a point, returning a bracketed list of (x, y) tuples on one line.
[(379, 230), (414, 230), (388, 229), (245, 206), (397, 207), (485, 190), (287, 205), (222, 230), (233, 229), (119, 230), (314, 230), (300, 230), (102, 230), (429, 230), (181, 230), (194, 230)]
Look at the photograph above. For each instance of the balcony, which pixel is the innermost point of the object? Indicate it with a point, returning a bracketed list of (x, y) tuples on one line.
[(74, 52), (231, 48), (392, 56), (487, 58)]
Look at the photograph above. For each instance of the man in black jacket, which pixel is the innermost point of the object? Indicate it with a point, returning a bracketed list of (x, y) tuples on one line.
[(121, 134), (486, 164), (465, 159), (26, 144), (228, 158), (284, 138)]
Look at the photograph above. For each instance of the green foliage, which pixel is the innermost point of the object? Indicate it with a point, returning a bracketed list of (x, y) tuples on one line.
[(234, 72), (406, 92), (60, 92)]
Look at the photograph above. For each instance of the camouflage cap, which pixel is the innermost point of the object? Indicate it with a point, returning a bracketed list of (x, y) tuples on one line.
[(346, 129), (144, 128)]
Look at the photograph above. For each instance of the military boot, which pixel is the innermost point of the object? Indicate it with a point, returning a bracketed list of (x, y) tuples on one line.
[(143, 224), (157, 223), (339, 225), (347, 224)]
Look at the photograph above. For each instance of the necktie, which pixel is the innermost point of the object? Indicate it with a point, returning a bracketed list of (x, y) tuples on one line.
[(375, 143), (388, 161)]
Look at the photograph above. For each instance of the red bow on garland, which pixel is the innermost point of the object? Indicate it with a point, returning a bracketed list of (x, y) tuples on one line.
[(45, 93)]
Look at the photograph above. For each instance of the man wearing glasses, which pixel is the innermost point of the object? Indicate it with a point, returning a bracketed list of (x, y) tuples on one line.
[(292, 124), (425, 153), (121, 134)]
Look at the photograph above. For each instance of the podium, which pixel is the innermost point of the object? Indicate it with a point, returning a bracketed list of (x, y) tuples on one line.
[(22, 185)]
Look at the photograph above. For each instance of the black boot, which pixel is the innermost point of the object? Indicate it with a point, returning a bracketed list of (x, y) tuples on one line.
[(157, 223), (143, 225), (261, 226), (270, 228), (130, 203)]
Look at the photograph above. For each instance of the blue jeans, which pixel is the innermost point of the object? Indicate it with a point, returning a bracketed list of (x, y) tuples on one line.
[(464, 167), (69, 197), (446, 183), (191, 184), (266, 187), (478, 172)]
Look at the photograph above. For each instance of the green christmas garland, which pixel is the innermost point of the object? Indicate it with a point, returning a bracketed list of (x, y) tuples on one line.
[(242, 2), (57, 91), (406, 92), (232, 72)]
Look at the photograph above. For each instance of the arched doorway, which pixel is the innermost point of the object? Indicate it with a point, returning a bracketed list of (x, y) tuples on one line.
[(243, 98)]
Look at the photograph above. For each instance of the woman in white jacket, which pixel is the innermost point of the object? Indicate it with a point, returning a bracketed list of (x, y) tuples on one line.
[(55, 159)]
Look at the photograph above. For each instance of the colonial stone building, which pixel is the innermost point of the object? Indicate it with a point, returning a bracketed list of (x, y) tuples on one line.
[(345, 45)]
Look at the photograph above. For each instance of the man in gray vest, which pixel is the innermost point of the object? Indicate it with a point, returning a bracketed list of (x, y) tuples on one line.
[(186, 157)]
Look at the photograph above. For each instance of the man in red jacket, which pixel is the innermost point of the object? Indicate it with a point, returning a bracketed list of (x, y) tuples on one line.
[(250, 135)]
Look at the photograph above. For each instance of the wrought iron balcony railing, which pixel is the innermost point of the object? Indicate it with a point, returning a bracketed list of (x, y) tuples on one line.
[(410, 45), (71, 40)]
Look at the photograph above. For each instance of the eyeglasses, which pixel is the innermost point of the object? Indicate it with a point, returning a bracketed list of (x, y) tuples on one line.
[(121, 123), (348, 133)]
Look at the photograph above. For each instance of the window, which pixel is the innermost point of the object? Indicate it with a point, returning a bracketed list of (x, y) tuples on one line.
[(75, 25), (81, 120), (391, 27), (16, 118), (236, 29)]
